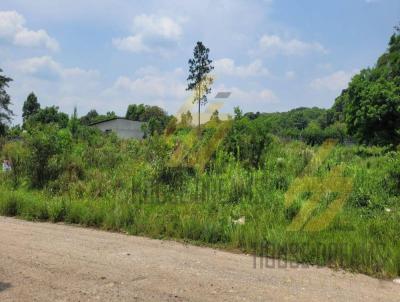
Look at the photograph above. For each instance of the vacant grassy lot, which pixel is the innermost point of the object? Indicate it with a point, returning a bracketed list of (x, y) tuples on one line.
[(330, 205)]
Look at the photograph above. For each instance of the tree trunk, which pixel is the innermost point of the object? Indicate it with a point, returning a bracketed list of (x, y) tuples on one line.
[(199, 119), (198, 99)]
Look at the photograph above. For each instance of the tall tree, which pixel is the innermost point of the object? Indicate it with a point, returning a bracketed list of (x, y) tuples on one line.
[(5, 102), (199, 79), (30, 107)]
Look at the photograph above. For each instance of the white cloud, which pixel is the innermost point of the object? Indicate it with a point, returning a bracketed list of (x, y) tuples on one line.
[(228, 67), (273, 44), (39, 66), (131, 43), (157, 26), (67, 87), (150, 33), (254, 96), (54, 84), (30, 38), (47, 68), (157, 87), (12, 28), (333, 82), (150, 86)]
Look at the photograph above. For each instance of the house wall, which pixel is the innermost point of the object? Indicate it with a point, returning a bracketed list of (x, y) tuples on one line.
[(123, 128)]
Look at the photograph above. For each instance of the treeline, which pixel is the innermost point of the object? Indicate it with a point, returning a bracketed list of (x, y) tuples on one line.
[(155, 118), (367, 111), (312, 125)]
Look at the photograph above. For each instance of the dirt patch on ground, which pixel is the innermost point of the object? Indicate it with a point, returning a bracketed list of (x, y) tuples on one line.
[(54, 262)]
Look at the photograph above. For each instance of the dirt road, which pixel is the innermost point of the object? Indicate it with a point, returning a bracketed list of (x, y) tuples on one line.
[(55, 262)]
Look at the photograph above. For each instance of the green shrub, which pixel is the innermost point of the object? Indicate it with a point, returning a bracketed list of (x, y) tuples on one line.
[(48, 147), (392, 177), (57, 209), (313, 134), (247, 140), (8, 205)]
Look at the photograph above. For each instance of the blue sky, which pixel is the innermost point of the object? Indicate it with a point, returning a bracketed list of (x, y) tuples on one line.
[(273, 55)]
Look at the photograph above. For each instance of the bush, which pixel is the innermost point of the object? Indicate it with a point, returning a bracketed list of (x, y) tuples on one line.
[(247, 140), (18, 154), (392, 178), (313, 134), (57, 209), (175, 175), (9, 205), (48, 147)]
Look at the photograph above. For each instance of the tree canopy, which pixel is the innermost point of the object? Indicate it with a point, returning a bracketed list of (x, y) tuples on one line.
[(30, 107), (370, 106), (155, 118), (5, 102), (93, 116), (199, 80), (48, 115)]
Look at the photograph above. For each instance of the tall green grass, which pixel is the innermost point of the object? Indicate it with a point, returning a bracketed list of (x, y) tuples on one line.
[(140, 188)]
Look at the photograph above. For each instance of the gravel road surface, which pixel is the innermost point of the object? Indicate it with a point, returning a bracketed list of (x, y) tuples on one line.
[(57, 262)]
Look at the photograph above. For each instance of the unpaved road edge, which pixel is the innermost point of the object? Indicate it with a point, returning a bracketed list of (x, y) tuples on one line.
[(56, 262)]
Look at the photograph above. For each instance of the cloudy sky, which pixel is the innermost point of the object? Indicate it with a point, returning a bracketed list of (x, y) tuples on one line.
[(273, 55)]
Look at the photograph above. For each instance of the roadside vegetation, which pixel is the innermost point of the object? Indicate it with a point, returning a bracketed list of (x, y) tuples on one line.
[(237, 185)]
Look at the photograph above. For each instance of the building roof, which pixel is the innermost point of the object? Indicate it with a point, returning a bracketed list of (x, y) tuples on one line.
[(111, 119)]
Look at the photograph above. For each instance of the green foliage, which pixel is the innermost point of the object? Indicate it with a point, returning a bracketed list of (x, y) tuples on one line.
[(238, 113), (313, 125), (89, 118), (47, 115), (31, 106), (186, 120), (171, 126), (16, 152), (391, 180), (13, 132), (215, 116), (372, 109), (5, 102), (155, 118), (136, 112), (313, 134), (47, 145), (370, 106), (93, 117), (228, 187), (247, 140), (198, 78), (73, 124)]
